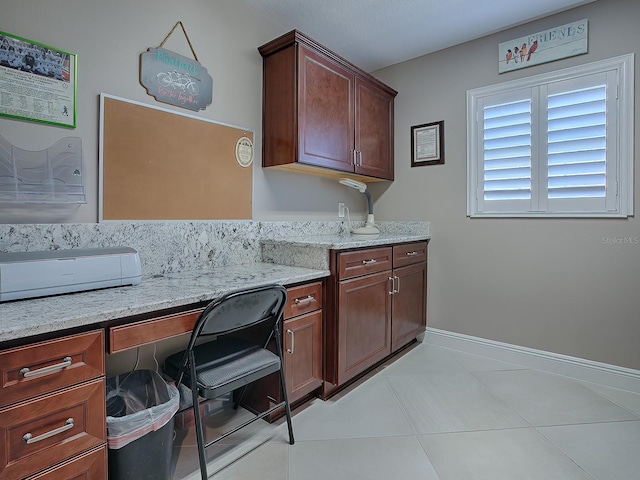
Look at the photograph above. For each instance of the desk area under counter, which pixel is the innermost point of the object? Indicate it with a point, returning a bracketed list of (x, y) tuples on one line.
[(62, 340)]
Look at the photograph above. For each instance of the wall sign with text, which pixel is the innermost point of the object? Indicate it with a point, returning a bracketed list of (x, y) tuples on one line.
[(542, 47), (175, 79)]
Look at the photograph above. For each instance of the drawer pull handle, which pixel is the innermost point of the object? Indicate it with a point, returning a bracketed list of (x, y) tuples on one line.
[(304, 301), (293, 341), (369, 262), (31, 439), (412, 254), (26, 373)]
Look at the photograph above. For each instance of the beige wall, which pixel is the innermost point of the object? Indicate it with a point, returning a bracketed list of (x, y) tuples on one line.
[(553, 284), (108, 38)]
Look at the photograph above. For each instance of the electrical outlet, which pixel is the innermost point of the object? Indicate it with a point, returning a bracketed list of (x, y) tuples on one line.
[(340, 210)]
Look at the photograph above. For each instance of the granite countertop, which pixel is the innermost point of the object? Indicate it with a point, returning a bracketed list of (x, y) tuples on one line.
[(313, 251), (24, 318), (346, 241), (288, 257)]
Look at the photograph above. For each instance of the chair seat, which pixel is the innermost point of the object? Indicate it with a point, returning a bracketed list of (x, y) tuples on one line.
[(225, 365)]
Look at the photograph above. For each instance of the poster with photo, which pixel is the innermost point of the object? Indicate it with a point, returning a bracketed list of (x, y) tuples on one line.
[(37, 82)]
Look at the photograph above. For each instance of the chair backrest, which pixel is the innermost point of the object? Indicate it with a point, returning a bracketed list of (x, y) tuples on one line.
[(241, 309)]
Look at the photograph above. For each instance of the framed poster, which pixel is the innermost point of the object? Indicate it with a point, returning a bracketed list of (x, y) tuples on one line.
[(427, 144), (37, 81)]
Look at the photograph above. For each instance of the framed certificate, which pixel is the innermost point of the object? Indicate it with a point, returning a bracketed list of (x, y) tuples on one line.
[(427, 144)]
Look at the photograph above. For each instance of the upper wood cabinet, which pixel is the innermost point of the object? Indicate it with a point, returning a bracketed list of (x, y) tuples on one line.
[(322, 114)]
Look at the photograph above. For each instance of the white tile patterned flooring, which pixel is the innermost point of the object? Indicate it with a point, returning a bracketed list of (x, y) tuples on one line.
[(439, 414)]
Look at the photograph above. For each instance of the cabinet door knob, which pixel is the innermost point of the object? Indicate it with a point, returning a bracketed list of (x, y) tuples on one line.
[(293, 341)]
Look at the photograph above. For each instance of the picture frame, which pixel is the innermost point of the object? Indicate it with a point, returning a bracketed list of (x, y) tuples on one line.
[(37, 81), (427, 144)]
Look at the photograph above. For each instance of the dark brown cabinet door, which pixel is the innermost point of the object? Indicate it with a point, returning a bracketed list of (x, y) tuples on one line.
[(323, 115), (325, 122), (409, 304), (373, 131), (302, 353), (364, 327)]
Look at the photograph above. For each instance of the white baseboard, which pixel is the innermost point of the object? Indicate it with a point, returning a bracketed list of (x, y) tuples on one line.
[(578, 368)]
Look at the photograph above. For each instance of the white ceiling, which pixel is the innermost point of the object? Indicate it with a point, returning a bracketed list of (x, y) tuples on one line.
[(374, 34)]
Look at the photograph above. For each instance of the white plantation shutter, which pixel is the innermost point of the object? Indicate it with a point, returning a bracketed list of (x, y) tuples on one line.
[(577, 143), (554, 144), (507, 151)]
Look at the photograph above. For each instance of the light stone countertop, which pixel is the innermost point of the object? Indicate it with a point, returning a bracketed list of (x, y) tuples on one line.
[(312, 251), (288, 257), (24, 318), (343, 242)]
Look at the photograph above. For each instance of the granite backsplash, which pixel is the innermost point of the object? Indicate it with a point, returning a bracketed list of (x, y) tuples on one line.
[(168, 247)]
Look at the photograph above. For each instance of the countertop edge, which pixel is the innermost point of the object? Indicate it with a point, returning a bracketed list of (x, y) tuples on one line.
[(21, 319)]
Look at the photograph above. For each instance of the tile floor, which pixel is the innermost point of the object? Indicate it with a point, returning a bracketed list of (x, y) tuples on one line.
[(438, 414)]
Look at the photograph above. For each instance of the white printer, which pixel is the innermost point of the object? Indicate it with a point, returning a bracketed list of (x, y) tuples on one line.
[(36, 274)]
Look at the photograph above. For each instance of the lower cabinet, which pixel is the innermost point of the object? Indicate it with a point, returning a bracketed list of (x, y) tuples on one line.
[(409, 304), (364, 326), (377, 304), (302, 333), (52, 407), (303, 354)]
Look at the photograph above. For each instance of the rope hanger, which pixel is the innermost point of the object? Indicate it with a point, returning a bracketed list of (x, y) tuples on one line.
[(185, 35)]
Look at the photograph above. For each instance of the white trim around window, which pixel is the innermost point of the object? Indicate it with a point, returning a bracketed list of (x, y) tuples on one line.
[(559, 144)]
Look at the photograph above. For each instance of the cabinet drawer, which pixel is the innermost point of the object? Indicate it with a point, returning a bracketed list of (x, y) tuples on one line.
[(149, 331), (363, 262), (303, 299), (47, 366), (409, 254), (51, 428), (91, 465)]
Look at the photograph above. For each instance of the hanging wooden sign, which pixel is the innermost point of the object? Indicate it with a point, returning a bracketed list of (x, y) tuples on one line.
[(175, 79)]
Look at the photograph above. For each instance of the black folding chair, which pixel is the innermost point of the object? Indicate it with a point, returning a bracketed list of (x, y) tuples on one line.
[(230, 361)]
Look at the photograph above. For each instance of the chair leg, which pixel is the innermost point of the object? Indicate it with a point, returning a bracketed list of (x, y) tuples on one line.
[(198, 420), (287, 407), (240, 393), (283, 386)]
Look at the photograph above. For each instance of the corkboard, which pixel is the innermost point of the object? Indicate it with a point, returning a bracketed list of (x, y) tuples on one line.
[(160, 165)]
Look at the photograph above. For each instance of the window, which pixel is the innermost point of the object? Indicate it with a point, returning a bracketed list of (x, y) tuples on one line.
[(557, 144)]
